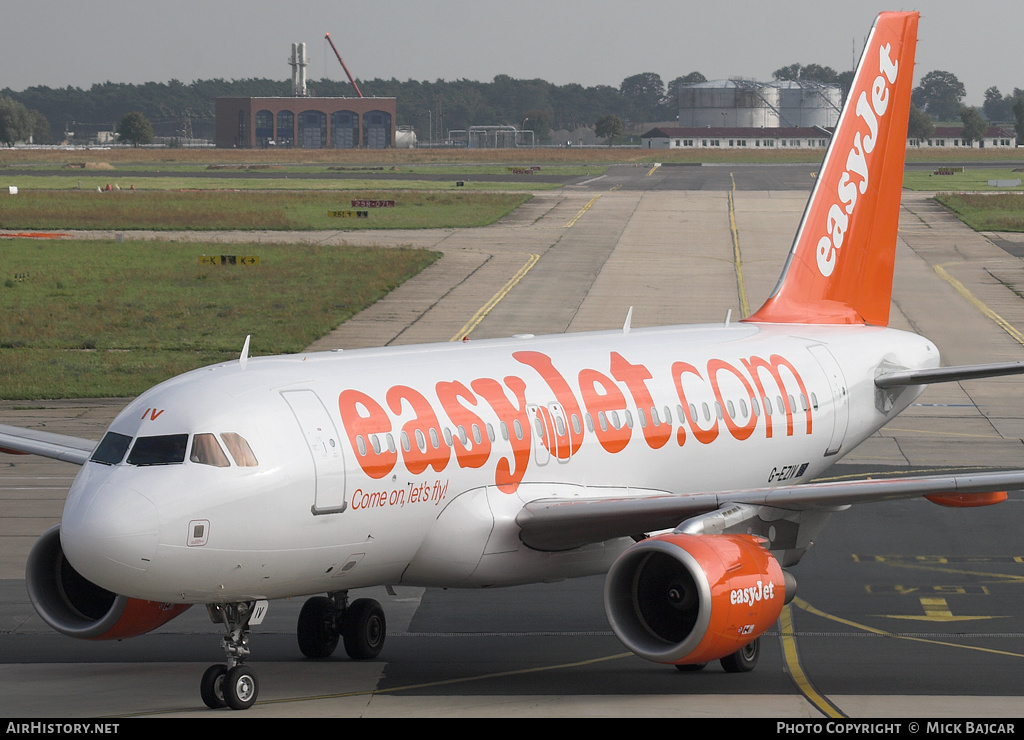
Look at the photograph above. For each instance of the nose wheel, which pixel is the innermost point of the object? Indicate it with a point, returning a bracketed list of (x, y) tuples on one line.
[(233, 684)]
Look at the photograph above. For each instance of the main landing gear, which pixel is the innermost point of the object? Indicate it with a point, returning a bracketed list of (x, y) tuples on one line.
[(741, 661), (326, 619), (233, 685)]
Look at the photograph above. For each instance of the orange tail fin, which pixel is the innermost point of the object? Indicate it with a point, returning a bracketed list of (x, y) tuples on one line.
[(839, 270)]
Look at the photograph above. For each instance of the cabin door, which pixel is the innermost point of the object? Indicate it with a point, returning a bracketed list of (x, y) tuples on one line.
[(324, 445)]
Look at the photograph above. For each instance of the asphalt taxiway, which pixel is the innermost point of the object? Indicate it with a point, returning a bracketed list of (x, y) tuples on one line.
[(904, 609)]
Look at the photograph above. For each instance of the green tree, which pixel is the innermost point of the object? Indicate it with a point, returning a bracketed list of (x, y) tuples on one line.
[(538, 121), (920, 125), (974, 125), (135, 129), (15, 122), (817, 73), (40, 128), (790, 72), (996, 107), (646, 92), (939, 95), (608, 127)]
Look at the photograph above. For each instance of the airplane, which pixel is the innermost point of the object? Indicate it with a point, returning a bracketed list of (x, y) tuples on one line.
[(680, 460)]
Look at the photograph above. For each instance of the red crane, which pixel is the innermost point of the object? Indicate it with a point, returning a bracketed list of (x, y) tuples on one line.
[(350, 79)]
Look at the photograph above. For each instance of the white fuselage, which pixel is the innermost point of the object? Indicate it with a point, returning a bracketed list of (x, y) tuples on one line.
[(408, 465)]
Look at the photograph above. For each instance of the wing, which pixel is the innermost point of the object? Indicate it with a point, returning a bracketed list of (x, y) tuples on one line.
[(18, 441), (948, 374), (559, 524)]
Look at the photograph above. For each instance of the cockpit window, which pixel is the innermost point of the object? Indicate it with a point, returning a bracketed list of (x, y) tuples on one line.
[(111, 449), (166, 449), (239, 450), (206, 451)]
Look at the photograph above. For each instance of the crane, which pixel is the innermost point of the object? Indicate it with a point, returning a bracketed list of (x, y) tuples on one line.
[(350, 79)]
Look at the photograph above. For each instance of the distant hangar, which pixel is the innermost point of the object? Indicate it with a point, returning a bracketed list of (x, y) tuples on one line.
[(306, 123)]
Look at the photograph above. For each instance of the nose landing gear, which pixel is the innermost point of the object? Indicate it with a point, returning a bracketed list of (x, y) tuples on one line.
[(233, 685)]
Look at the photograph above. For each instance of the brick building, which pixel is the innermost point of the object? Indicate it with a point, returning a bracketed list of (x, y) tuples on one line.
[(305, 122)]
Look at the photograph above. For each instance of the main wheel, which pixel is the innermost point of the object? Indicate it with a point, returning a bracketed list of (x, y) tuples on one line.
[(744, 659), (364, 629), (690, 667), (241, 687), (211, 687), (317, 636)]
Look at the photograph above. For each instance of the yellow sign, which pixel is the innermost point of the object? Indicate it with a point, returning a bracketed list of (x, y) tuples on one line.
[(227, 259)]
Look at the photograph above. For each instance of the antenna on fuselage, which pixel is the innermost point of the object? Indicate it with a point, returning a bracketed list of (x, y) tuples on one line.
[(629, 319), (244, 357)]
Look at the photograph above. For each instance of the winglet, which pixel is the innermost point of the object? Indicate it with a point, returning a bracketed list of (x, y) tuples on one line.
[(839, 270)]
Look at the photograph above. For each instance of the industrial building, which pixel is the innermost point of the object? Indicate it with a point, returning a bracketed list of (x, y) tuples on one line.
[(306, 122), (743, 103)]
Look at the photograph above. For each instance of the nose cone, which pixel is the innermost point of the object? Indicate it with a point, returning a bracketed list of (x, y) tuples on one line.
[(109, 533)]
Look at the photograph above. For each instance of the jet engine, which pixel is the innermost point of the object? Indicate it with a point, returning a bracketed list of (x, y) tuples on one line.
[(79, 608), (691, 599)]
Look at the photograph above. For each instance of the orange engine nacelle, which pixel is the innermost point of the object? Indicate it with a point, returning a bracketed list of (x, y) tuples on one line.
[(682, 598), (79, 608)]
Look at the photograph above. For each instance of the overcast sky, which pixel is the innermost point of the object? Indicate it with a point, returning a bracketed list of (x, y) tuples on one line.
[(58, 43)]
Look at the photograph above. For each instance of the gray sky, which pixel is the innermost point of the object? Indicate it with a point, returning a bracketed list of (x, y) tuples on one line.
[(58, 43)]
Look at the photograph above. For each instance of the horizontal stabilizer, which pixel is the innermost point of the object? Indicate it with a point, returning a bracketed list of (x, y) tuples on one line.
[(45, 444), (949, 374), (560, 524)]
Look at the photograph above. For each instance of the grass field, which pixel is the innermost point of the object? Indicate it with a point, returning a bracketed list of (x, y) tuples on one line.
[(972, 179), (275, 210), (105, 318), (117, 157), (988, 212)]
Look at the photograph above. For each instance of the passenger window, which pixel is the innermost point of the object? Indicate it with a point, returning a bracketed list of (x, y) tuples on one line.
[(239, 450), (111, 449), (166, 449), (206, 451)]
